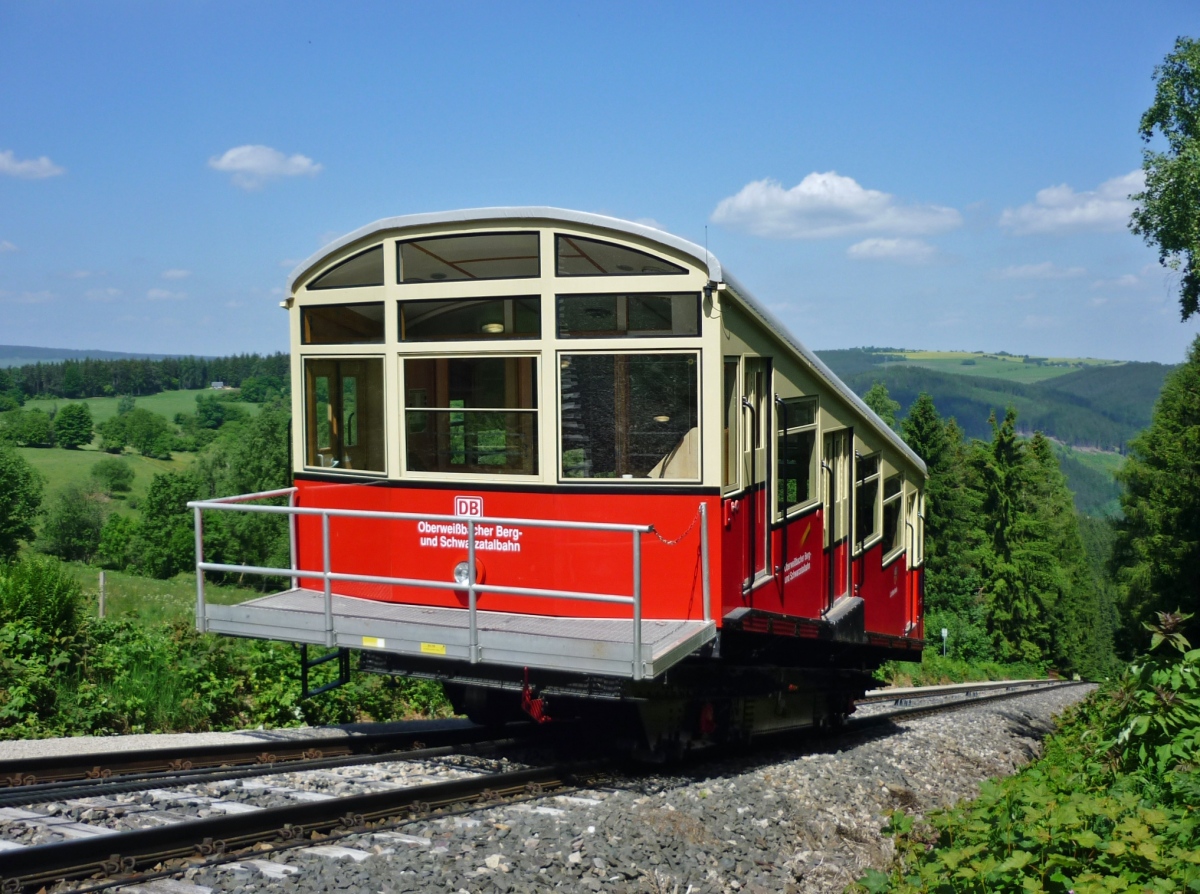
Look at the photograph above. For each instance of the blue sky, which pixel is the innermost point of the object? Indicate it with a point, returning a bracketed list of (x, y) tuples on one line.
[(936, 175)]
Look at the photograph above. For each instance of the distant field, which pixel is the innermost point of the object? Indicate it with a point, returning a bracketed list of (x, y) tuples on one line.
[(1013, 369), (1090, 478), (60, 467), (167, 403)]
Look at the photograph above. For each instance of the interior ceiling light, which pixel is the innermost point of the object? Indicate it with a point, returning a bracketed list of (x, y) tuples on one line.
[(437, 276), (662, 418), (493, 328)]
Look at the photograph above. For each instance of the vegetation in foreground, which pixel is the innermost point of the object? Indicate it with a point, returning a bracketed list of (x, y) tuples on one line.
[(1111, 806), (64, 672)]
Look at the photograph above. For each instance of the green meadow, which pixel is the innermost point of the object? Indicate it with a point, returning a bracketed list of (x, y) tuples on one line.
[(165, 403), (999, 366), (60, 467)]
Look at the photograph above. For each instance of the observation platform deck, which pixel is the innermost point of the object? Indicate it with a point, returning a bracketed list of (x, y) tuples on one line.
[(584, 645)]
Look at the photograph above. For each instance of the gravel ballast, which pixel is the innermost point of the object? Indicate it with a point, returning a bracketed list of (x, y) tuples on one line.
[(769, 822)]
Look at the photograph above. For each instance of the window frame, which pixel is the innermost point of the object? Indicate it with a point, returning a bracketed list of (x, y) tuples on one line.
[(561, 352), (901, 521), (876, 532), (466, 234), (308, 408), (796, 509), (312, 284), (454, 475), (306, 308), (622, 298), (680, 269)]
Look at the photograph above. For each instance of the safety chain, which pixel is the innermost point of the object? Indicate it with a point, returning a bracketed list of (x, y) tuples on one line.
[(667, 542)]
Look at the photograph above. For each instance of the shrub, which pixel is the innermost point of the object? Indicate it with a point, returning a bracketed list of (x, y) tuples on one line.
[(73, 524), (38, 590), (113, 475)]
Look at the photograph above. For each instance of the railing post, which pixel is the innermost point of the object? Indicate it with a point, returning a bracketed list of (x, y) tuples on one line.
[(330, 639), (706, 587), (201, 620), (292, 538), (472, 620), (637, 605)]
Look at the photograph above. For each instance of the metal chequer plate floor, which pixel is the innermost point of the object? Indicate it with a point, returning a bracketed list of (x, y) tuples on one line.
[(589, 645)]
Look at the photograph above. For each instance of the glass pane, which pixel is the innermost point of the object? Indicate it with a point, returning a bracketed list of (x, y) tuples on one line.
[(473, 383), (600, 316), (868, 466), (797, 462), (891, 526), (891, 486), (364, 269), (797, 412), (344, 422), (729, 447), (471, 318), (578, 256), (478, 256), (342, 324), (866, 496), (629, 416), (472, 441), (471, 414)]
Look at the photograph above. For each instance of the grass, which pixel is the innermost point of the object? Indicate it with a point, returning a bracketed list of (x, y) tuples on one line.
[(60, 467), (166, 403), (152, 601), (995, 366)]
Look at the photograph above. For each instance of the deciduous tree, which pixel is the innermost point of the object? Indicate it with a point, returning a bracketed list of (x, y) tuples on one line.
[(73, 426), (1168, 215), (20, 499)]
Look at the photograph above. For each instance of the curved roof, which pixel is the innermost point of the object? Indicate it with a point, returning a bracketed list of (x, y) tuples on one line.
[(702, 255)]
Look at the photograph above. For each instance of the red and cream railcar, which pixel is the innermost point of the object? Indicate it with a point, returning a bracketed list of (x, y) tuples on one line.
[(544, 453)]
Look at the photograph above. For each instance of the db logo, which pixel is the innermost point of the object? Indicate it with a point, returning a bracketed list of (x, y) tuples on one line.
[(469, 507)]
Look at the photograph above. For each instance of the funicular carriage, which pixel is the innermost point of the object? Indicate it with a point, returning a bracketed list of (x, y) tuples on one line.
[(557, 459)]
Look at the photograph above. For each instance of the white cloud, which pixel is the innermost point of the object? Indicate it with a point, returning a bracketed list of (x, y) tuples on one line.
[(164, 295), (27, 297), (32, 169), (650, 222), (6, 246), (102, 294), (1044, 270), (827, 205), (252, 166), (176, 274), (1128, 281), (904, 251), (1060, 209)]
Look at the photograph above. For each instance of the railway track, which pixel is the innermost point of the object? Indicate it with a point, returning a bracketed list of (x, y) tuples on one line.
[(107, 859)]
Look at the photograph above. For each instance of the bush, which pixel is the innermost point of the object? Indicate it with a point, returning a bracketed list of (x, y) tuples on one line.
[(113, 475), (73, 524), (39, 591)]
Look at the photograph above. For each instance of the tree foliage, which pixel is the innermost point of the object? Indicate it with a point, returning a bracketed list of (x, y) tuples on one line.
[(29, 428), (885, 408), (73, 524), (1169, 208), (73, 426), (113, 475), (1157, 553), (20, 499)]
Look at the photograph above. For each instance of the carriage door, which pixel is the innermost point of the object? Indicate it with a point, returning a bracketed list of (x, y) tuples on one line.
[(837, 474), (756, 466), (913, 545)]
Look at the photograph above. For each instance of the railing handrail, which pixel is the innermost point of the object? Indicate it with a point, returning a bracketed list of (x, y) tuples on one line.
[(227, 504), (240, 503)]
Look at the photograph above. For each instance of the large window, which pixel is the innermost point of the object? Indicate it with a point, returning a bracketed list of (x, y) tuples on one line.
[(471, 414), (477, 256), (797, 452), (893, 502), (630, 415), (342, 324), (364, 269), (645, 315), (577, 256), (866, 501), (471, 318), (344, 422), (729, 439)]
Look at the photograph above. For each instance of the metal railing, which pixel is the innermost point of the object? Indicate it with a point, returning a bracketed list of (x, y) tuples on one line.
[(241, 503)]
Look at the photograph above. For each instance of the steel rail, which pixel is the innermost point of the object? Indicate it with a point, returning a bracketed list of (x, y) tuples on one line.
[(62, 791), (122, 853), (856, 723), (61, 768)]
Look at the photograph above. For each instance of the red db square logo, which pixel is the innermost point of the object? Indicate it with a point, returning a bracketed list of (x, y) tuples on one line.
[(469, 507)]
